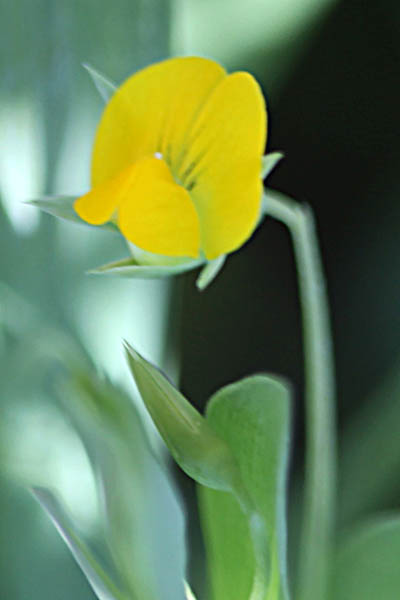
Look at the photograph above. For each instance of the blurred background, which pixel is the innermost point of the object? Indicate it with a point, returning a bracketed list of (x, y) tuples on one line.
[(330, 71)]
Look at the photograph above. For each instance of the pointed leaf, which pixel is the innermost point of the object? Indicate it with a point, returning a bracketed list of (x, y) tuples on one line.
[(191, 441), (368, 562), (210, 271), (131, 269), (63, 207), (252, 416), (104, 86), (269, 162), (100, 582)]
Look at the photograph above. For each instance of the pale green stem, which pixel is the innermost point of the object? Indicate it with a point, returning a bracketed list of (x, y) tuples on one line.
[(320, 458)]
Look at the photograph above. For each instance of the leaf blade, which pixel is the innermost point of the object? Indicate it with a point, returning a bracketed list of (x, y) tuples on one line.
[(100, 582), (242, 414), (192, 442)]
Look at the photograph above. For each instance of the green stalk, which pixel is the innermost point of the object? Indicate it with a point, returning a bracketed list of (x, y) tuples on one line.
[(320, 458)]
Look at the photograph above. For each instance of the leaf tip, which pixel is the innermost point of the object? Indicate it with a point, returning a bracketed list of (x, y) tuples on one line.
[(95, 271), (88, 67), (200, 284), (269, 162), (209, 272), (131, 353)]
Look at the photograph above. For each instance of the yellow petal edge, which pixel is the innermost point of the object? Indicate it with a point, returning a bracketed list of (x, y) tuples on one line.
[(177, 159)]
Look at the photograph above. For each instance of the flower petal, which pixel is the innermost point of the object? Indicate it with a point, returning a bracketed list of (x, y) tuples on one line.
[(157, 214), (97, 206), (222, 165), (152, 112)]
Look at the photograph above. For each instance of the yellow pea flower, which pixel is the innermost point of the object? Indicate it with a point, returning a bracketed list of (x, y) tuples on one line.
[(177, 159)]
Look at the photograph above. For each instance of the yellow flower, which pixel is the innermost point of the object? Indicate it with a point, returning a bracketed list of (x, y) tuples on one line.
[(177, 159)]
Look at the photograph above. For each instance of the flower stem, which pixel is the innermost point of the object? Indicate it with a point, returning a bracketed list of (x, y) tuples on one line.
[(320, 456)]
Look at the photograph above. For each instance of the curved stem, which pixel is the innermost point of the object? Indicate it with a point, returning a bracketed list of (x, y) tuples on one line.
[(320, 459)]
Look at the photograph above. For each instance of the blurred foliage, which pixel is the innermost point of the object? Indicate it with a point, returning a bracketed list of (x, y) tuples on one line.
[(367, 564), (141, 518), (48, 112)]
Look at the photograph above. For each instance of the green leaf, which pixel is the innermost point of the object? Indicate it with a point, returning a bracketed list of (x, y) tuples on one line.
[(100, 582), (269, 162), (142, 513), (368, 562), (252, 416), (131, 269), (63, 207), (191, 441), (210, 271), (104, 86)]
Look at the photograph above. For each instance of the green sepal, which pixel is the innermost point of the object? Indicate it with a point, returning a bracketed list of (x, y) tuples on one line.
[(209, 272), (100, 582), (104, 86), (269, 162), (131, 269), (63, 208), (367, 565), (252, 416), (196, 448)]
